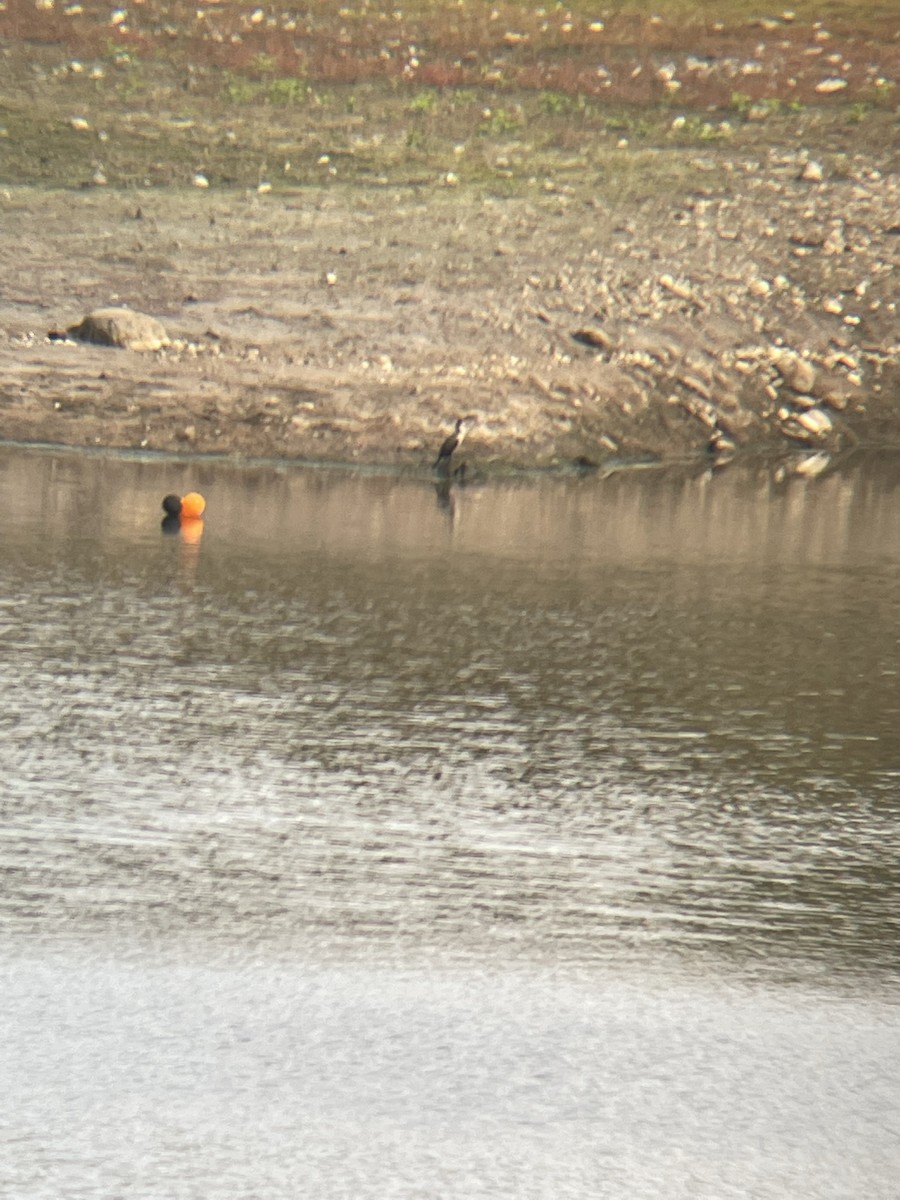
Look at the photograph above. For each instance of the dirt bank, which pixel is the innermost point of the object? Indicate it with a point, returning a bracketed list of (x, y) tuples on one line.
[(728, 281), (354, 327)]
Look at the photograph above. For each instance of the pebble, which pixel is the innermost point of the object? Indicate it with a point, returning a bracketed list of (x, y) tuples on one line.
[(798, 373), (681, 290), (803, 401), (594, 336), (812, 172), (834, 398), (815, 421), (834, 243)]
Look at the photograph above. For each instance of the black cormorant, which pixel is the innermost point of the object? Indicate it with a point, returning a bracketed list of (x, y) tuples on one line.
[(453, 442)]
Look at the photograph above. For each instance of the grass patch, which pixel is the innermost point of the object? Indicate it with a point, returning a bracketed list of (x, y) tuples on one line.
[(508, 96)]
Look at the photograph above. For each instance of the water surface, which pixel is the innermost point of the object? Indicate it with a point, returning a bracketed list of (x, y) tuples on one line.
[(523, 839)]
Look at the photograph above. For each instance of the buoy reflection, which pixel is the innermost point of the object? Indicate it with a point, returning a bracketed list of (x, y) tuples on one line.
[(191, 530)]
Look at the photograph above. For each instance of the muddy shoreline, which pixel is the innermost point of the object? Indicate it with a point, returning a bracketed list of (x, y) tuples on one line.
[(356, 326)]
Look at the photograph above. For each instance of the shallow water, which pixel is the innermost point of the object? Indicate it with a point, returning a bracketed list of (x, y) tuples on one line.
[(525, 839)]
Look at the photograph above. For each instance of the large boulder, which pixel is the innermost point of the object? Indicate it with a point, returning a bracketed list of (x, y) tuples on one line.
[(120, 327)]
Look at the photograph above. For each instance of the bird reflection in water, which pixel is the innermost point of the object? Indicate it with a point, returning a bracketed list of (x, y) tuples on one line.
[(444, 490), (443, 493)]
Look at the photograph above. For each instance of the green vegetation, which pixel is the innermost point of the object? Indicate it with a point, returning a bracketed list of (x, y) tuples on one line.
[(562, 104), (767, 106), (498, 122), (424, 102), (582, 100)]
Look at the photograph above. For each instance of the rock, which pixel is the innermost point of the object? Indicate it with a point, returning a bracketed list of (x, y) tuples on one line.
[(721, 445), (802, 401), (815, 421), (827, 86), (833, 390), (834, 243), (120, 327), (808, 237), (798, 373), (594, 336), (812, 172), (759, 287), (701, 410), (682, 290), (695, 384), (836, 400)]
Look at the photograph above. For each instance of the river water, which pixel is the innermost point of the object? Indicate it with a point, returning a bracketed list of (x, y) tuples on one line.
[(375, 840)]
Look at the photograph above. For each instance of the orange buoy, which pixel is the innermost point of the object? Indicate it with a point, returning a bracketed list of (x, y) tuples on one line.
[(192, 505)]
